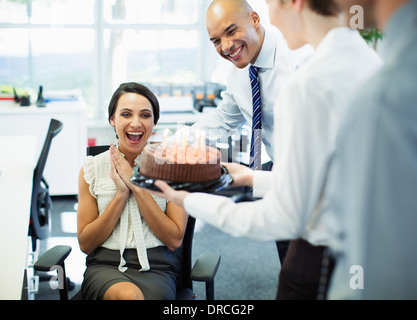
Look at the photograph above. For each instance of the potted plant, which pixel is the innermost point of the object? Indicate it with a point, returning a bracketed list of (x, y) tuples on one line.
[(372, 36)]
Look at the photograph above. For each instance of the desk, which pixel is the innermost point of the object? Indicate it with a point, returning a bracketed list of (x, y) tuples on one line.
[(68, 147), (17, 162)]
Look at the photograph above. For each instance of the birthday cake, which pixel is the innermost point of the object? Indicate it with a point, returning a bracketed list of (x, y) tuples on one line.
[(180, 164)]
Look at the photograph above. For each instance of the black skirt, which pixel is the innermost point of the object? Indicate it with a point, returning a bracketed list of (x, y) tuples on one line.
[(158, 283), (306, 272)]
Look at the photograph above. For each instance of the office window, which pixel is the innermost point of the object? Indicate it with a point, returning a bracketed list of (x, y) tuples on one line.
[(58, 12), (153, 42), (48, 43), (94, 45), (152, 56), (174, 12), (13, 11)]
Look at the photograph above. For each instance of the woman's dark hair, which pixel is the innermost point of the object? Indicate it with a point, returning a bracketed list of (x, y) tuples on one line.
[(134, 87), (325, 7)]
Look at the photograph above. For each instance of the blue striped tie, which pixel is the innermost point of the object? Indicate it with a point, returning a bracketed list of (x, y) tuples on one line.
[(256, 141)]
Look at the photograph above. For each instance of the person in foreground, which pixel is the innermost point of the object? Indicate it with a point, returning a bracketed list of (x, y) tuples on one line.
[(129, 235), (311, 107), (373, 181)]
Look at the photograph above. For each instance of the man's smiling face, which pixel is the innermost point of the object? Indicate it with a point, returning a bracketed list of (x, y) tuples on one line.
[(235, 34)]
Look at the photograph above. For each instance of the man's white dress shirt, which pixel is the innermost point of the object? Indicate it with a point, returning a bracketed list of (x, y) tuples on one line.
[(308, 116)]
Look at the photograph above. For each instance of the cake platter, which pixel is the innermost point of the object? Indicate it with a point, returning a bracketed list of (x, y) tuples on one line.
[(211, 186)]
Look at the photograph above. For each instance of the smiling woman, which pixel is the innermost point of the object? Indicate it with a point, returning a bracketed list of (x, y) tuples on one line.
[(122, 228), (133, 122), (133, 112)]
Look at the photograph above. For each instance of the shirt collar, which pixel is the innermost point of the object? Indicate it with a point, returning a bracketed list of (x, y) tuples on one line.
[(138, 159), (336, 38), (266, 57)]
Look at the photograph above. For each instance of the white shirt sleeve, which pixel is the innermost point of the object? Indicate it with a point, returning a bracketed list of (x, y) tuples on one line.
[(304, 143), (256, 220), (225, 119), (261, 183)]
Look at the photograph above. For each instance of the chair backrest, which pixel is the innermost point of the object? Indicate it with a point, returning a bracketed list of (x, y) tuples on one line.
[(55, 127), (40, 203), (184, 282), (95, 150)]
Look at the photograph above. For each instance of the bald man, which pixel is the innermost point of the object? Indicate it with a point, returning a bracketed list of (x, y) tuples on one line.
[(239, 37), (374, 175)]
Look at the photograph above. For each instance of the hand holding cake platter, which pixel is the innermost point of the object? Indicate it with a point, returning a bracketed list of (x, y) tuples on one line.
[(193, 168)]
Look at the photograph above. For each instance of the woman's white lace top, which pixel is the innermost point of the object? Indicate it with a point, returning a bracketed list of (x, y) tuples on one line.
[(131, 231)]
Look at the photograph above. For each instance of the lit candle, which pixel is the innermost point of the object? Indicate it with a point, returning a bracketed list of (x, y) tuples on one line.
[(196, 138), (184, 139), (203, 146), (202, 139), (176, 145), (164, 142)]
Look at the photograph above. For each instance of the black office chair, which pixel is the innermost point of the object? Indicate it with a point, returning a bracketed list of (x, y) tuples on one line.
[(41, 201), (203, 270)]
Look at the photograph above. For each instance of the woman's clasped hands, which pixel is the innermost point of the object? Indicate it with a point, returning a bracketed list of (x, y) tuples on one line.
[(121, 171)]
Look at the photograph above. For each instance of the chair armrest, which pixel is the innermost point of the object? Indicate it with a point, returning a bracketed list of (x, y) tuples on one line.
[(53, 257), (205, 268)]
